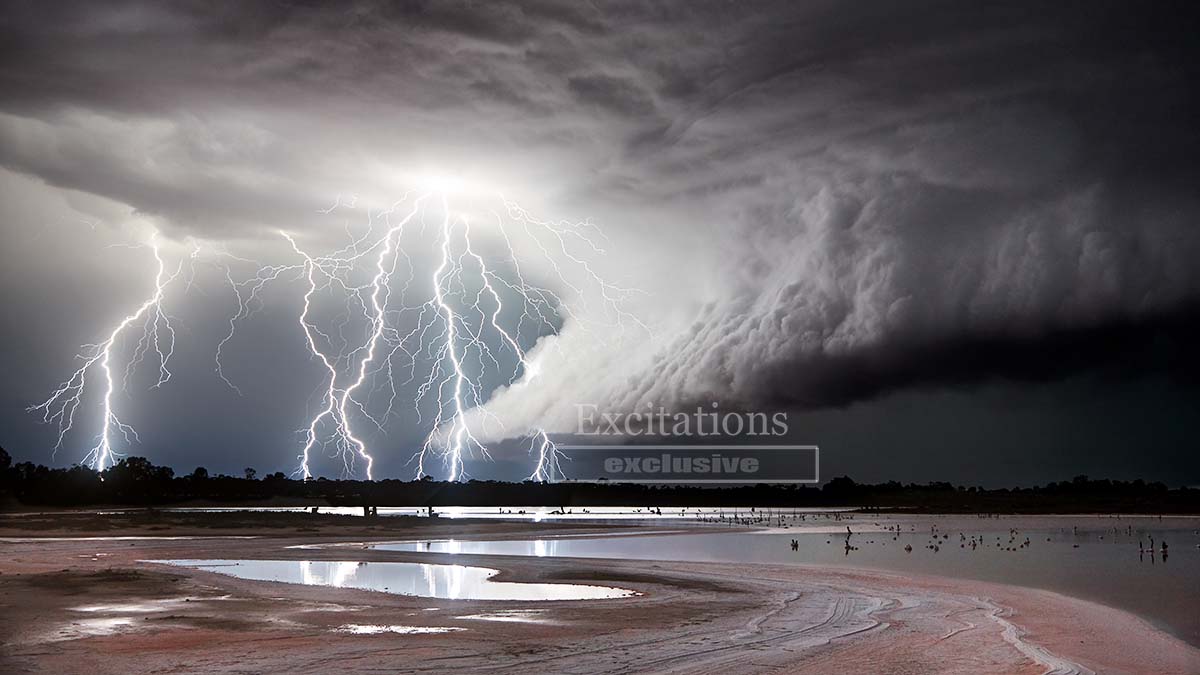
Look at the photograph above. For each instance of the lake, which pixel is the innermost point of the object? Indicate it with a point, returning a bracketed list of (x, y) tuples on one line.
[(1098, 559)]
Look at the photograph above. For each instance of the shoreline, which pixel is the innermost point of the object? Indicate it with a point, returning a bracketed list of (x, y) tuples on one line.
[(100, 610)]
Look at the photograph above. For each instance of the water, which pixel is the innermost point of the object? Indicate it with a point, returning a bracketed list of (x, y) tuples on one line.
[(454, 582), (528, 513), (399, 629), (1074, 562)]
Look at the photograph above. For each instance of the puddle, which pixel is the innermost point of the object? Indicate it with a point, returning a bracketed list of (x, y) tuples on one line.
[(376, 629), (147, 607), (453, 582), (510, 616), (93, 628)]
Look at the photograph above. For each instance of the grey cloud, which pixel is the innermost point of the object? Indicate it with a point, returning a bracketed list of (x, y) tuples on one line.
[(825, 203), (612, 93), (1002, 149)]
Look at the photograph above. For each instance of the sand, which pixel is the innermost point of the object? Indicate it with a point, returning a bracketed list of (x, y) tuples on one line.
[(70, 605)]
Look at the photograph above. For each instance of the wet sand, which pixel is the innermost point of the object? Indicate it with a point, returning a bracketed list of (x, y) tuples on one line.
[(93, 606)]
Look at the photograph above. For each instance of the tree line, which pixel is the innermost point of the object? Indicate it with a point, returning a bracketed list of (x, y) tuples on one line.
[(135, 481)]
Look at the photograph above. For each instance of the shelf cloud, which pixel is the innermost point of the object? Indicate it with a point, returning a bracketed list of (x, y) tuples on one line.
[(822, 203)]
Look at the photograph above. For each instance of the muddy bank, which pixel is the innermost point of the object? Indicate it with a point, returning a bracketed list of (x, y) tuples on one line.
[(94, 606)]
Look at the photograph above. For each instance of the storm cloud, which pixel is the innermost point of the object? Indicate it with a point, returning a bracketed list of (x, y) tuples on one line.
[(824, 203)]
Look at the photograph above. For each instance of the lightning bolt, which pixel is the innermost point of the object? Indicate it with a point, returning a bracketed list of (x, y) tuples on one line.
[(157, 336), (458, 432), (476, 313)]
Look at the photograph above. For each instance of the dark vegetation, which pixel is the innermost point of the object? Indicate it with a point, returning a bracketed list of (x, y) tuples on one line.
[(134, 481)]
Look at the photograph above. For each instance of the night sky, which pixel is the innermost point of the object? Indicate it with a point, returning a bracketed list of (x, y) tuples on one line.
[(955, 241)]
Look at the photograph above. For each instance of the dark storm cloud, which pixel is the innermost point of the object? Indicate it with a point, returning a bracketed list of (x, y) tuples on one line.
[(183, 102), (824, 201), (923, 198), (613, 93)]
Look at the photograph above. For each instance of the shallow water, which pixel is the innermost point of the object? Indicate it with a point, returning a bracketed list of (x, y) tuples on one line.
[(533, 513), (379, 629), (1078, 562), (455, 582)]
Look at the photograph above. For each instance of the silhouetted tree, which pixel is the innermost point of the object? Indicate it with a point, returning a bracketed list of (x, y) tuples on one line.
[(5, 465), (135, 480)]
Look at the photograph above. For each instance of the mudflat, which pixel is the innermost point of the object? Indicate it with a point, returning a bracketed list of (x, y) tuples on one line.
[(78, 594)]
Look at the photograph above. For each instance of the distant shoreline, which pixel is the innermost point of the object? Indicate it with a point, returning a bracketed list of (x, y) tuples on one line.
[(136, 482), (305, 505)]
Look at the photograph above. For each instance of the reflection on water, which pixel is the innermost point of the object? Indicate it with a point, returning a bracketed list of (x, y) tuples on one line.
[(377, 629), (455, 582), (531, 513), (509, 616), (1111, 565)]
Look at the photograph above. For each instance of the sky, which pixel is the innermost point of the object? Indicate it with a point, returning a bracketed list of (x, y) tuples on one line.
[(953, 241)]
